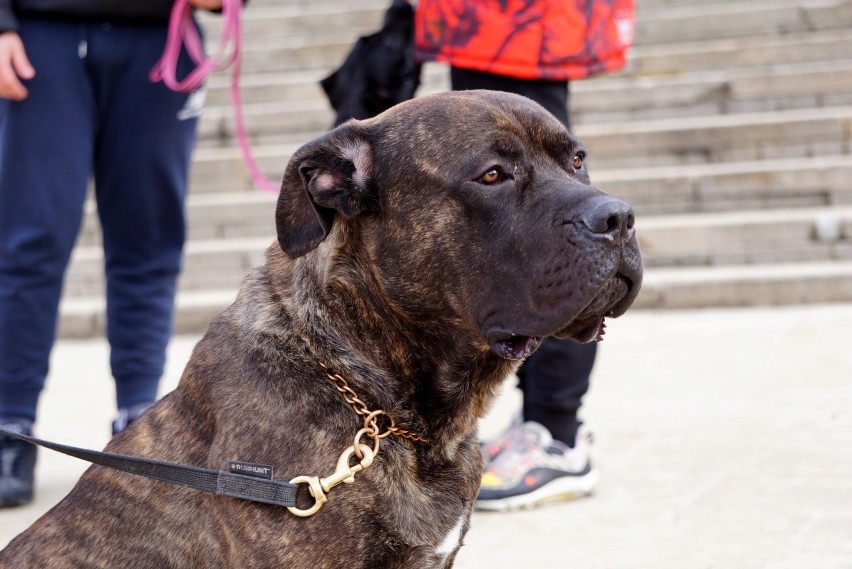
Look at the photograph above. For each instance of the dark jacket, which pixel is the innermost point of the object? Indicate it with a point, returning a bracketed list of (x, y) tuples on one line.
[(131, 10)]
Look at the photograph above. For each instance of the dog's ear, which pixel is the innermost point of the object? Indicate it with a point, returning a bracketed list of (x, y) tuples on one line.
[(328, 177)]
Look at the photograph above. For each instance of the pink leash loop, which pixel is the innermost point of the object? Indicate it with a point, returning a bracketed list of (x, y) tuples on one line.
[(182, 32)]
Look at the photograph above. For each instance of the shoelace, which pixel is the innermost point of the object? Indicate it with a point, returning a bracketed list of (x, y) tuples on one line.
[(182, 32)]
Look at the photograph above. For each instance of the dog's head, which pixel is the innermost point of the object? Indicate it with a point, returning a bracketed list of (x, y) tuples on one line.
[(473, 207)]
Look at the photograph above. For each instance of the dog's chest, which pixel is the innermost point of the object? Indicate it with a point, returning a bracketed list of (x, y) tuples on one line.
[(439, 554), (452, 540), (429, 524)]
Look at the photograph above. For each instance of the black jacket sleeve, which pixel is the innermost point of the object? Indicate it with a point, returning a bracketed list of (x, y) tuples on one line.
[(7, 17), (87, 8)]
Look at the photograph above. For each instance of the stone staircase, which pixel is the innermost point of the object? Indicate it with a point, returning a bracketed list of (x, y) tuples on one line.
[(730, 133)]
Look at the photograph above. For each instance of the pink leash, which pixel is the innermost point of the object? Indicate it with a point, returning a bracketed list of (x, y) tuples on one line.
[(182, 32)]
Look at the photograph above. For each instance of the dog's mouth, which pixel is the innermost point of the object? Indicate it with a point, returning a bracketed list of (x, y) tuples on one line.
[(610, 303), (585, 329), (515, 347)]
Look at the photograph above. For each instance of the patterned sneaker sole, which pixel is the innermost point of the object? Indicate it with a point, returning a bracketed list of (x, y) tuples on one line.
[(560, 490)]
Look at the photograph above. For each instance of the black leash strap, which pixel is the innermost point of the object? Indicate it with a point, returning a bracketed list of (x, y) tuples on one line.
[(218, 482)]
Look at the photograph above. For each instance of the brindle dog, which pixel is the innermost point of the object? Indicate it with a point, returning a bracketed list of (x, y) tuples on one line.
[(421, 255)]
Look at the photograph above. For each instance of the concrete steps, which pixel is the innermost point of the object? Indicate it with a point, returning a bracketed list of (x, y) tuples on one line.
[(685, 22), (320, 51), (680, 188), (669, 288), (652, 142), (752, 285), (720, 53), (729, 132), (268, 22), (776, 256), (737, 186), (808, 84), (747, 237), (221, 258), (751, 186), (683, 249)]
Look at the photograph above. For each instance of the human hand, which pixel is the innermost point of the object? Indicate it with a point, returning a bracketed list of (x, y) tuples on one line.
[(14, 66), (207, 4)]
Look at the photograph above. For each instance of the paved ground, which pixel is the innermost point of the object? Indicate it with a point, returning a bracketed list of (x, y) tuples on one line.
[(724, 439)]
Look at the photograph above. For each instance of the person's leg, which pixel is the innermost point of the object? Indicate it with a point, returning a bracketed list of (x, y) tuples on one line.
[(552, 95), (553, 381), (544, 457), (555, 377), (526, 466), (45, 157), (141, 176)]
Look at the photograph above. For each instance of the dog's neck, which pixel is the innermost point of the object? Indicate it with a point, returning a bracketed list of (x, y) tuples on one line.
[(439, 393)]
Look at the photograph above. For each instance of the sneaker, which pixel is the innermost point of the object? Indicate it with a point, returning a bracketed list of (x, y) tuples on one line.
[(493, 447), (127, 415), (17, 466), (535, 469)]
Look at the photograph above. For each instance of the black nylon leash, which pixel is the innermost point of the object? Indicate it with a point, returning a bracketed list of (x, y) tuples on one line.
[(219, 482)]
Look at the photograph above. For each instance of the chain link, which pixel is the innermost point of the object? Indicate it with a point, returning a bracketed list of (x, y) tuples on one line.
[(371, 427), (345, 473)]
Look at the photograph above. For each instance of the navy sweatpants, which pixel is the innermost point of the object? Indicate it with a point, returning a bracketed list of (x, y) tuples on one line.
[(91, 112)]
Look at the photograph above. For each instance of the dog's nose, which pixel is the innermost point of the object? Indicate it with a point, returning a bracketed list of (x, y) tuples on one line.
[(610, 217)]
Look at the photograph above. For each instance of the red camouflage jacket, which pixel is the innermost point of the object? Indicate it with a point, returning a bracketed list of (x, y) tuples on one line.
[(527, 39)]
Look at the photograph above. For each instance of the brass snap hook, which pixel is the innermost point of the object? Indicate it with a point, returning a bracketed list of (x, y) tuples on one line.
[(344, 474)]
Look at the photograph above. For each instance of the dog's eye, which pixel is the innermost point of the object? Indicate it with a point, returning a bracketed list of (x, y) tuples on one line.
[(492, 176), (578, 160)]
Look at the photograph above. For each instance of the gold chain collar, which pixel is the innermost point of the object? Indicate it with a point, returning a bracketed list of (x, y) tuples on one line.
[(345, 473), (371, 428)]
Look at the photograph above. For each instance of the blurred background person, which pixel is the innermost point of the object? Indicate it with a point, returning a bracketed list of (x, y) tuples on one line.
[(76, 101), (533, 48)]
